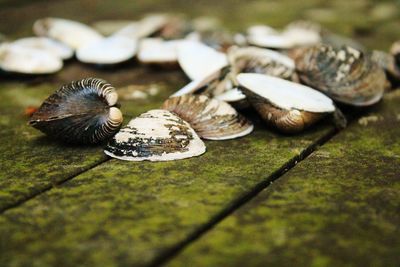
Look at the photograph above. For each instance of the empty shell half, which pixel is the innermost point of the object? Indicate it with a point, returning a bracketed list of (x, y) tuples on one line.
[(211, 118), (346, 75), (72, 33), (157, 135), (46, 44), (158, 52), (31, 61), (285, 105), (82, 112), (108, 51)]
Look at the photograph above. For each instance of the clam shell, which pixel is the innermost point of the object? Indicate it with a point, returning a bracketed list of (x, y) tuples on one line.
[(159, 52), (211, 118), (43, 43), (23, 60), (388, 63), (72, 33), (198, 60), (258, 60), (347, 75), (157, 135), (82, 112), (288, 106), (109, 27), (111, 50)]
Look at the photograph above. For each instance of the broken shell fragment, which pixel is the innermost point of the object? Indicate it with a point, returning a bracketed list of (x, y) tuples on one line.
[(263, 61), (82, 112), (287, 106), (157, 135), (108, 51), (211, 118), (347, 75), (72, 33), (198, 60), (23, 60), (43, 43)]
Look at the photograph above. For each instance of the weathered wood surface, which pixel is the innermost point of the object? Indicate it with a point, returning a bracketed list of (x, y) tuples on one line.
[(113, 213), (339, 207)]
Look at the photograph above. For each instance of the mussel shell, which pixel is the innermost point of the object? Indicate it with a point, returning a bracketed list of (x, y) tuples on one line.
[(82, 112), (347, 75), (259, 60), (157, 135), (211, 118)]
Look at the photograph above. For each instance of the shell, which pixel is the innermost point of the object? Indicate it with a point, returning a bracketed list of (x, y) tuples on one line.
[(82, 112), (388, 63), (395, 51), (43, 43), (264, 61), (108, 51), (158, 52), (109, 27), (23, 60), (72, 33), (198, 60), (211, 118), (346, 75), (157, 135), (287, 106)]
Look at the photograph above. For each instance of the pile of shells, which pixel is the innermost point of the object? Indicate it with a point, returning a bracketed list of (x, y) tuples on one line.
[(292, 78)]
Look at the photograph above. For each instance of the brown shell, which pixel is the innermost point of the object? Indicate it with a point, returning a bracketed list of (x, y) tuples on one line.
[(395, 51), (210, 118), (82, 112), (346, 75)]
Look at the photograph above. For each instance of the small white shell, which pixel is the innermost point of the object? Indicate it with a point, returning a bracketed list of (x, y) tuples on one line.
[(111, 50), (43, 43), (157, 51), (28, 60), (157, 135), (144, 28), (198, 60), (72, 33)]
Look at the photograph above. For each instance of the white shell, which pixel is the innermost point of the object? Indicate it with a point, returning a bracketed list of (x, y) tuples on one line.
[(143, 28), (277, 41), (28, 60), (111, 50), (157, 135), (285, 94), (195, 85), (257, 30), (155, 50), (108, 27), (232, 95), (198, 60), (72, 33), (43, 43)]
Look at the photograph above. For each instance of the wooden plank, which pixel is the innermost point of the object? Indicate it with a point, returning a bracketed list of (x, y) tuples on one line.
[(340, 207), (122, 213)]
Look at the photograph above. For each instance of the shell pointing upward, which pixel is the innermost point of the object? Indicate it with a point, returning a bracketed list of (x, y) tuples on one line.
[(82, 112), (210, 118), (285, 105), (346, 74), (157, 135)]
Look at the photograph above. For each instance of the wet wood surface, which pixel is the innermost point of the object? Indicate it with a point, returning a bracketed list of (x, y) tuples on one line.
[(73, 206)]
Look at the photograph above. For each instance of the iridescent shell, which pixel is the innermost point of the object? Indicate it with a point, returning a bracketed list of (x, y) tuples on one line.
[(263, 61), (72, 33), (346, 75), (157, 135), (287, 106), (82, 112), (211, 118)]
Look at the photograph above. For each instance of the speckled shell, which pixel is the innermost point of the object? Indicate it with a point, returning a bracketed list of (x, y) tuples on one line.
[(157, 135), (82, 112), (211, 118), (346, 75), (259, 60), (287, 106)]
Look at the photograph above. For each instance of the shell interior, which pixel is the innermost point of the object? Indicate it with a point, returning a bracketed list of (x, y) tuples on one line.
[(25, 60), (198, 60), (210, 118), (157, 135), (111, 50), (72, 33), (285, 94), (155, 50), (81, 112)]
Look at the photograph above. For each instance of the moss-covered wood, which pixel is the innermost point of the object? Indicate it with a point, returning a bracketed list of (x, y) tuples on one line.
[(339, 207)]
